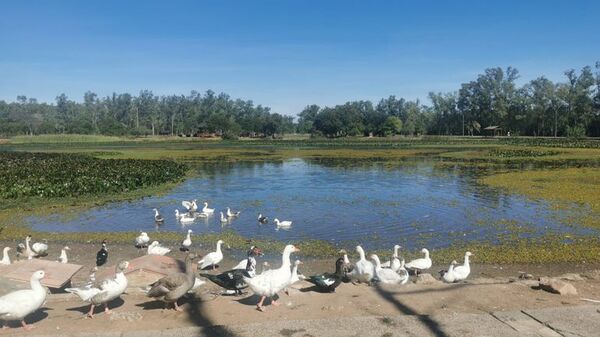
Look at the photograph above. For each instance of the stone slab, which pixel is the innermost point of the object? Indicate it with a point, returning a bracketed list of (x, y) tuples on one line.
[(525, 325), (570, 321), (57, 274)]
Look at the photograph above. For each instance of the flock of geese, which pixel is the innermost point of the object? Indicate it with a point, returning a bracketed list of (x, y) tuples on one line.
[(15, 306), (193, 212)]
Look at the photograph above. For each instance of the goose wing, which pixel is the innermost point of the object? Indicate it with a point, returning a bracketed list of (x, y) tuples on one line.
[(167, 284)]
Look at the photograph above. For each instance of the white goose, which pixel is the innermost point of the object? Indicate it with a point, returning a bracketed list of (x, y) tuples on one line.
[(462, 272), (36, 250), (403, 273), (18, 304), (63, 255), (141, 241), (224, 220), (394, 263), (207, 210), (184, 218), (231, 213), (385, 275), (212, 258), (295, 276), (156, 249), (284, 224), (5, 257), (421, 263), (448, 275), (187, 242), (191, 206), (363, 269), (271, 281), (105, 291)]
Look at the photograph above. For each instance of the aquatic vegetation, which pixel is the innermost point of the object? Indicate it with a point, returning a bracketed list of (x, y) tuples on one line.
[(570, 185), (511, 153), (26, 174)]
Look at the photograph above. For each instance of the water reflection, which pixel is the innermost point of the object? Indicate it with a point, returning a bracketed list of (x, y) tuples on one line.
[(412, 201)]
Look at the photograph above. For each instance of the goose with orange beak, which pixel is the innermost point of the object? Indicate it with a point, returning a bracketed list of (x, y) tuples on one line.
[(272, 281)]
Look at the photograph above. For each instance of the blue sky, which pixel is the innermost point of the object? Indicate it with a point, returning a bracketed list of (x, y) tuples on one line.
[(286, 54)]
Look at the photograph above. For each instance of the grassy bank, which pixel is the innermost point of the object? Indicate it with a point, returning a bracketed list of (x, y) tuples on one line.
[(570, 185)]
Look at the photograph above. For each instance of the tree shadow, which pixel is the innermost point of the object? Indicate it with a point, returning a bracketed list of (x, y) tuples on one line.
[(196, 315), (426, 320)]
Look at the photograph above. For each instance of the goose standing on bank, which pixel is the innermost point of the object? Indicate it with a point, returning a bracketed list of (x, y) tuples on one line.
[(141, 241), (156, 249), (327, 282), (347, 267), (394, 263), (462, 272), (191, 206), (63, 255), (5, 257), (172, 287), (230, 213), (448, 275), (403, 273), (295, 277), (102, 255), (364, 270), (385, 275), (15, 306), (212, 258), (187, 242), (262, 219), (104, 291), (206, 210), (420, 264), (270, 282), (282, 224), (35, 250), (158, 218), (40, 249)]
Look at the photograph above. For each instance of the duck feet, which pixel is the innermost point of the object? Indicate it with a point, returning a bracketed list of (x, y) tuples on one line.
[(106, 310), (177, 308), (26, 327), (90, 313), (260, 308), (275, 303)]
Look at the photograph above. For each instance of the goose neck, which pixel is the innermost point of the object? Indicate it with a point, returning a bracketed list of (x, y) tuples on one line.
[(361, 253), (285, 259), (36, 285)]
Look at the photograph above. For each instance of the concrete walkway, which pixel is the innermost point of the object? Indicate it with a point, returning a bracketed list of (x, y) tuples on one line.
[(551, 322)]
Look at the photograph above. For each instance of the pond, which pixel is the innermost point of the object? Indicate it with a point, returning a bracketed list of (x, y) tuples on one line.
[(414, 203)]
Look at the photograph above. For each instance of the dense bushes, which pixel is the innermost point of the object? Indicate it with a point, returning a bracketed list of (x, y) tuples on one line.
[(71, 175)]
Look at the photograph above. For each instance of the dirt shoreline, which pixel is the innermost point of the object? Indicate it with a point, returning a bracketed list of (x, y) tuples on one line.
[(490, 288)]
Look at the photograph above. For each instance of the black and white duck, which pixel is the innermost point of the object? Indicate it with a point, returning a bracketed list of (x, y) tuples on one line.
[(327, 282), (102, 255)]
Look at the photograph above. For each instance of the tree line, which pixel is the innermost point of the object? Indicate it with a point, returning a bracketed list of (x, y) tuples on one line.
[(538, 108), (145, 114)]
